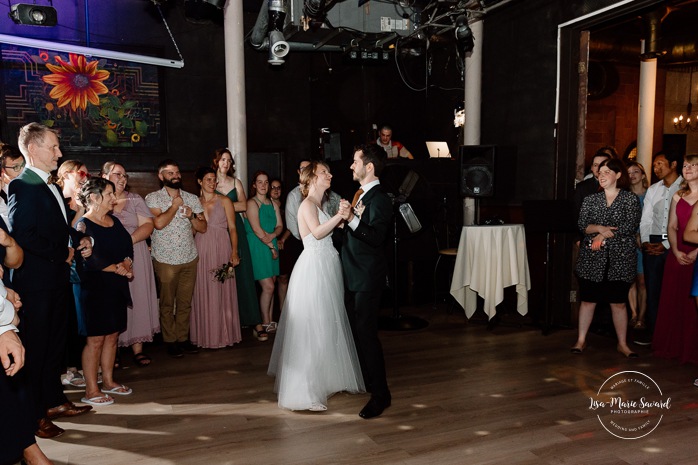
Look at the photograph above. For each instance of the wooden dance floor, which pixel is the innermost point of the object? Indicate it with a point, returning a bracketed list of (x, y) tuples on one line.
[(461, 394)]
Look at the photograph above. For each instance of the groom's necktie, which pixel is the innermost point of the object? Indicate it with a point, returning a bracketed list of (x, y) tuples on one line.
[(356, 197)]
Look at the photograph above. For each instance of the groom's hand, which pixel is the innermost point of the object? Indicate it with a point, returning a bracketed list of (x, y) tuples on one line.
[(345, 210)]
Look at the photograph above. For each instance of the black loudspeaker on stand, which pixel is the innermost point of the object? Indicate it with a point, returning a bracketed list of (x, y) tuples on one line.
[(487, 171)]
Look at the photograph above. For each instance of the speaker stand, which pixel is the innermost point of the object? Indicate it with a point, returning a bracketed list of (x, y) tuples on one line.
[(399, 322)]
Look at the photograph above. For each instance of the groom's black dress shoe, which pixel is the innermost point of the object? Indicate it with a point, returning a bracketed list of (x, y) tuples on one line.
[(374, 407)]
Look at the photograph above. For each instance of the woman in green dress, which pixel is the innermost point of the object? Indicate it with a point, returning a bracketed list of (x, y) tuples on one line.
[(230, 186), (263, 227)]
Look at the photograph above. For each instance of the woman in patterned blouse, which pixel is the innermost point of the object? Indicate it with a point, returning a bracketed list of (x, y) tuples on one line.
[(607, 257)]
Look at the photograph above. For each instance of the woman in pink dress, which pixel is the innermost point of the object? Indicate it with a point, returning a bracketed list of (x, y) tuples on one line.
[(215, 321), (676, 329), (143, 316)]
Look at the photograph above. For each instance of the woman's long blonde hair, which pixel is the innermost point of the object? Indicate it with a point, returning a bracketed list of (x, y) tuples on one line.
[(685, 189)]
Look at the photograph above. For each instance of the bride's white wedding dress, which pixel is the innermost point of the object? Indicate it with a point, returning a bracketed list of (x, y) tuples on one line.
[(314, 354)]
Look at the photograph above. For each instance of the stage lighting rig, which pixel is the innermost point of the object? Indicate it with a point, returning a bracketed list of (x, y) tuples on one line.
[(33, 15)]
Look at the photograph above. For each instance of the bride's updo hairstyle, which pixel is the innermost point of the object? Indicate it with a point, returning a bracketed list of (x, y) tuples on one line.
[(93, 186), (308, 176)]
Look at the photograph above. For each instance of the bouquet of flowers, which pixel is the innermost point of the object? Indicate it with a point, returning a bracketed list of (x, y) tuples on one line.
[(225, 271)]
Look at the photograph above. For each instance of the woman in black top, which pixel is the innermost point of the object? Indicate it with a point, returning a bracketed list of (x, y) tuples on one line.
[(104, 281), (607, 265)]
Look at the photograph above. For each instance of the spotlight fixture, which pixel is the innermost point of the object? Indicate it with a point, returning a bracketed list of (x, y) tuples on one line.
[(33, 15), (464, 35), (278, 47)]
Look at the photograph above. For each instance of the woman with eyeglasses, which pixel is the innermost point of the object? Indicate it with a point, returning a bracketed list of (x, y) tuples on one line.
[(143, 315), (12, 163), (676, 329), (606, 266), (71, 176)]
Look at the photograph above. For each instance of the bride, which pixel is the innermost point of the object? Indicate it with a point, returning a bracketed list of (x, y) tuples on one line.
[(314, 354)]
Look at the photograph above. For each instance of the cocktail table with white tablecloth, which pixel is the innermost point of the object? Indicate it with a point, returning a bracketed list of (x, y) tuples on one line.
[(491, 258)]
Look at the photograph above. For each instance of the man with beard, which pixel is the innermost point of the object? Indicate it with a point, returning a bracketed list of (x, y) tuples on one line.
[(178, 216)]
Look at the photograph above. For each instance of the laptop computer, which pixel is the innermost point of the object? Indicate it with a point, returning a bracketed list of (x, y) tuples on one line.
[(438, 150)]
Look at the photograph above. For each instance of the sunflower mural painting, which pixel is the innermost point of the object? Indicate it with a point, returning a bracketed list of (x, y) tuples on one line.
[(97, 104)]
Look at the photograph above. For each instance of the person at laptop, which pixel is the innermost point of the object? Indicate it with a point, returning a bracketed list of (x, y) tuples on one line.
[(393, 148)]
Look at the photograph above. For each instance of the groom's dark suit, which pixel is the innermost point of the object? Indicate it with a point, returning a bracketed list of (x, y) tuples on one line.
[(364, 265), (39, 227)]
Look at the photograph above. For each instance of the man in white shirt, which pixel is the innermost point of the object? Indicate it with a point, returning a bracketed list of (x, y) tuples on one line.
[(653, 232)]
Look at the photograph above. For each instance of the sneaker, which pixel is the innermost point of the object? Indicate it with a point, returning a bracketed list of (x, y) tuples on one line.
[(173, 350), (188, 348)]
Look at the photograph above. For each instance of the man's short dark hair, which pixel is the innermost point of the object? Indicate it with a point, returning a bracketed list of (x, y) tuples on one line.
[(608, 151), (167, 162), (672, 156), (371, 153), (385, 126)]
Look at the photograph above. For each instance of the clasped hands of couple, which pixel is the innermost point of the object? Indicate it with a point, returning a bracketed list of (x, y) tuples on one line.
[(346, 211)]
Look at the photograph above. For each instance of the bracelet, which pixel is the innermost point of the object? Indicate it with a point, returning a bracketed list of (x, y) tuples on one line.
[(129, 259)]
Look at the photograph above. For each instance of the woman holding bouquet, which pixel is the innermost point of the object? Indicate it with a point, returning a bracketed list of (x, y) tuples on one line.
[(215, 321), (104, 282)]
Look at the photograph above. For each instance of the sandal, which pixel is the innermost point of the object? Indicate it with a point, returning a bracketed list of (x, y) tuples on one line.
[(141, 359), (74, 379), (639, 324), (98, 400), (261, 335), (271, 327)]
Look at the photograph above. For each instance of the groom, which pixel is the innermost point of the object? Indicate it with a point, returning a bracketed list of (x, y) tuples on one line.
[(363, 261)]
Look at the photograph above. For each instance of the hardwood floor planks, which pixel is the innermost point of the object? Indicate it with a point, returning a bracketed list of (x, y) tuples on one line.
[(461, 394)]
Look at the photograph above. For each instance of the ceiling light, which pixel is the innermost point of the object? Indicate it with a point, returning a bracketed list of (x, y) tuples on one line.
[(33, 15)]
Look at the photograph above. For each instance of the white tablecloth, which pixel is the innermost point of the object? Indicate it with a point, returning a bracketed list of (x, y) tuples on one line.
[(489, 259)]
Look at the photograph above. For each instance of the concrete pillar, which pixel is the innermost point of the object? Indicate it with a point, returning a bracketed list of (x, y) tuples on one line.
[(235, 86), (645, 116), (473, 99)]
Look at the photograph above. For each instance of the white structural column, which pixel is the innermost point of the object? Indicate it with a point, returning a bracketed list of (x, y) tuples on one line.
[(235, 86), (473, 99), (645, 109)]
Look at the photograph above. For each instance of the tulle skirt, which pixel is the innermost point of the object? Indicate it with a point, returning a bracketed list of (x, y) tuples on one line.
[(314, 355)]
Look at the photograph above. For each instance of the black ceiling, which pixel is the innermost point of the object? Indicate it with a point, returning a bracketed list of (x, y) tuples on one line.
[(677, 35)]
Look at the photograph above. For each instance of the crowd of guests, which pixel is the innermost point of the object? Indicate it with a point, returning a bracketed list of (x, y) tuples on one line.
[(90, 267), (638, 246)]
